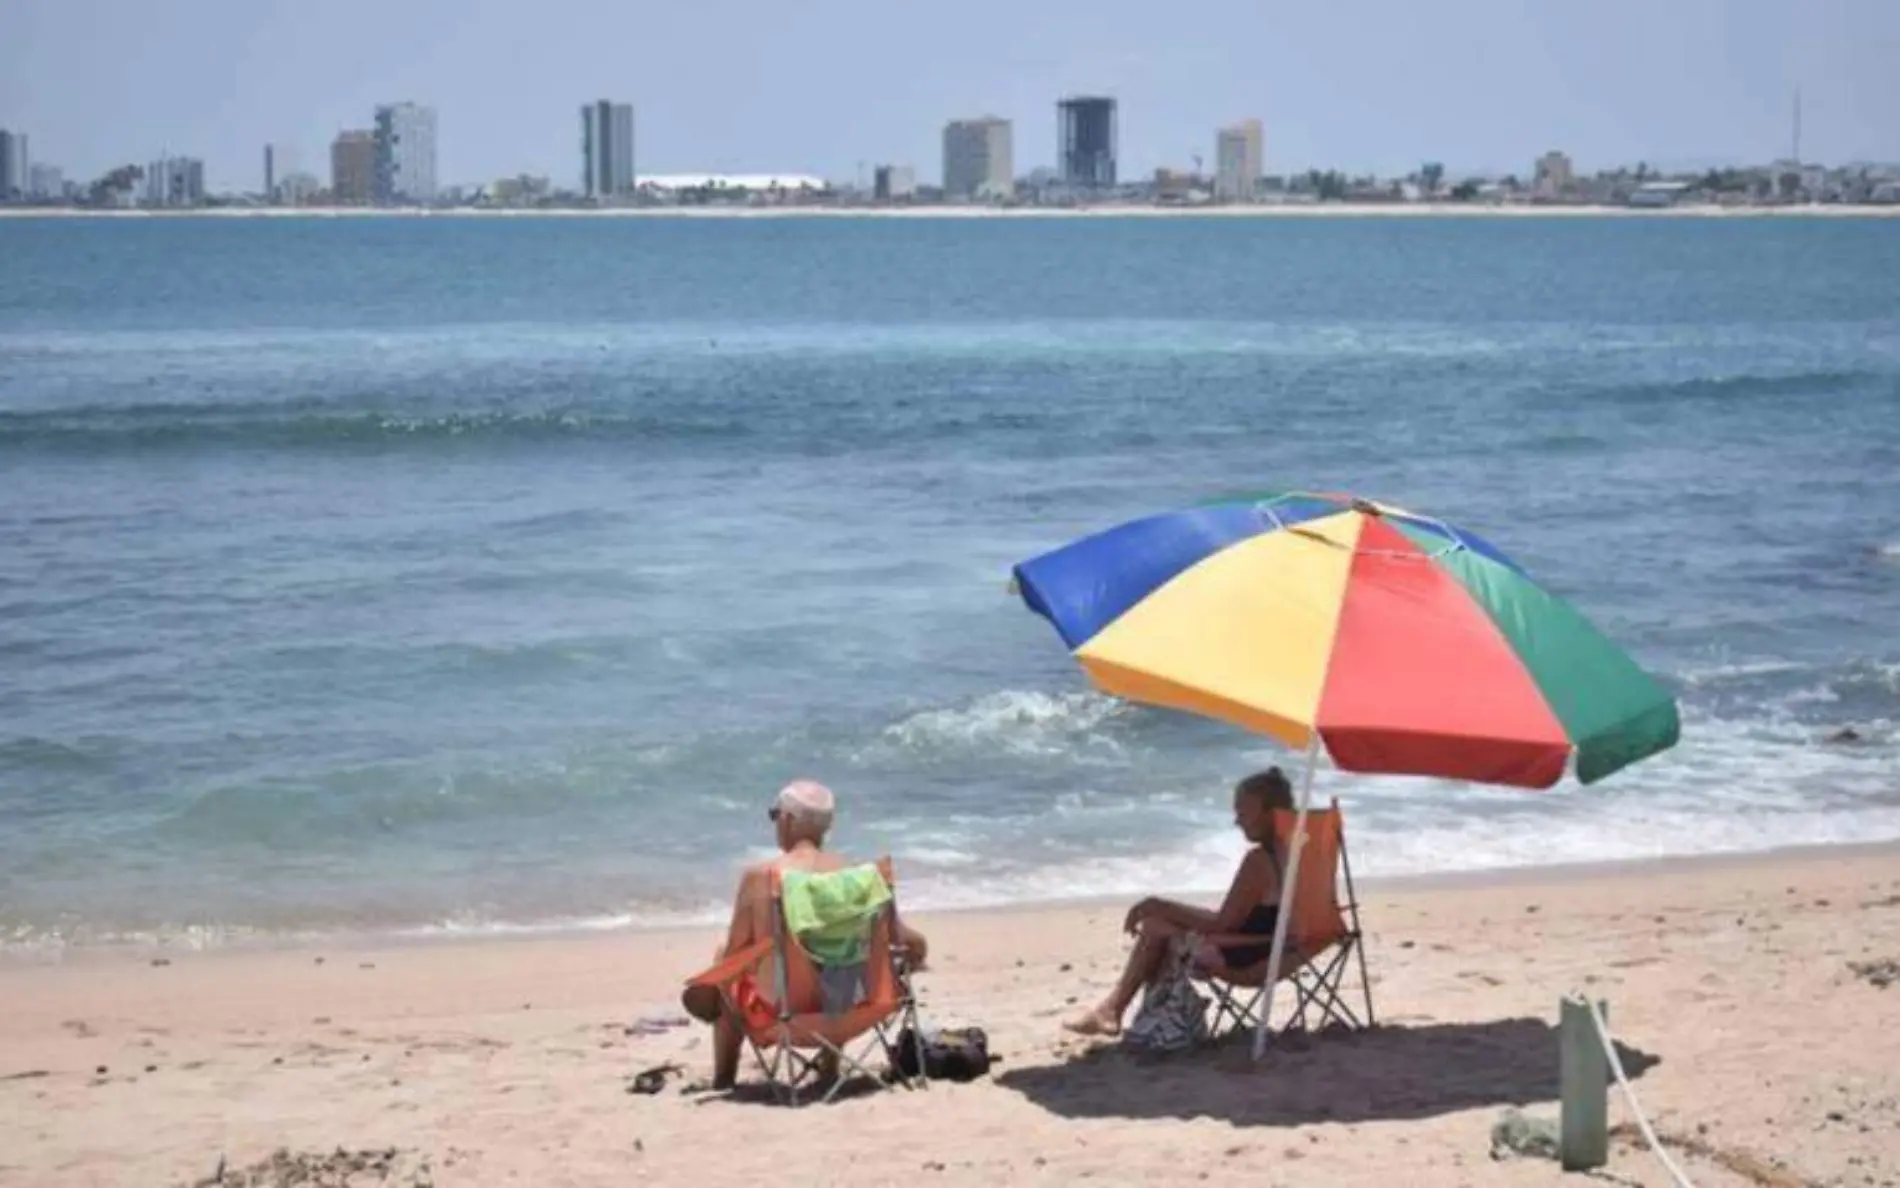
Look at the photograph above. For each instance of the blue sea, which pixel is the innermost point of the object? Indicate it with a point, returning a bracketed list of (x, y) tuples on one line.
[(434, 575)]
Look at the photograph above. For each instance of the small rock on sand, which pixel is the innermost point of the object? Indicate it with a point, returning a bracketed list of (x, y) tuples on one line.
[(1879, 974)]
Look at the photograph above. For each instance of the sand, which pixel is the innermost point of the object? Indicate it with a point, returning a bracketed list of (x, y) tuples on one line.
[(1754, 1042)]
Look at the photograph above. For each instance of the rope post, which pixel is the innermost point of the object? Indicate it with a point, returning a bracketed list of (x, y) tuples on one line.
[(1584, 1083)]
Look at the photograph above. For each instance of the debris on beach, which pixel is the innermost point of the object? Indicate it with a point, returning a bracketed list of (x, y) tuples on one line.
[(1879, 974), (339, 1169), (654, 1025), (654, 1079), (1770, 1172), (1516, 1133)]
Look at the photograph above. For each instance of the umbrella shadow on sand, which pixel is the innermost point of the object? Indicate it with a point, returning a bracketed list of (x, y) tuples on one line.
[(1387, 1074)]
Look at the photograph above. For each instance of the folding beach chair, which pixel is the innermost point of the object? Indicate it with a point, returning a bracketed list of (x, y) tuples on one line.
[(774, 990), (1323, 941)]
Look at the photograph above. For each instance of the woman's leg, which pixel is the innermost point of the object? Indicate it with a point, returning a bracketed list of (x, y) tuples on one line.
[(1145, 964), (725, 1053)]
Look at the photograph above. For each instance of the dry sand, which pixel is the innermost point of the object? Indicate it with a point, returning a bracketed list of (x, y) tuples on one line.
[(1731, 983)]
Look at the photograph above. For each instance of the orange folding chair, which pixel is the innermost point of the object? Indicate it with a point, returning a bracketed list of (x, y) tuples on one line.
[(773, 990), (1323, 941)]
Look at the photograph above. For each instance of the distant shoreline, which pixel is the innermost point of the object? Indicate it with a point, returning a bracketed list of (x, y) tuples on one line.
[(1289, 210)]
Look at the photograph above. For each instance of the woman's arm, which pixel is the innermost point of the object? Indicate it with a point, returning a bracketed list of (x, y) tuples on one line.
[(1184, 916), (1251, 883)]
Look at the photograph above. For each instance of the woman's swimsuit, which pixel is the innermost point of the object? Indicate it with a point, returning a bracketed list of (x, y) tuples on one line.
[(1259, 922)]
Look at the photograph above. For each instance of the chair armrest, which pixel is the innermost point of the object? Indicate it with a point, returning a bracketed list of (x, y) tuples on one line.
[(728, 968)]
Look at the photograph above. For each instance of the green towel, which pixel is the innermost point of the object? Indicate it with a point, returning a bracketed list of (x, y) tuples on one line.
[(832, 914)]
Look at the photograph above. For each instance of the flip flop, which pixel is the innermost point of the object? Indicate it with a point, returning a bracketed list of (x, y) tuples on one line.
[(653, 1079)]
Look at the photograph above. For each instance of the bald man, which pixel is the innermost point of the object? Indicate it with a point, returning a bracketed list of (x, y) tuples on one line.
[(801, 816)]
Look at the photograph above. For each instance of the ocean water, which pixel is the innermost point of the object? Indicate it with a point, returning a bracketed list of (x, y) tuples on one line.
[(420, 575)]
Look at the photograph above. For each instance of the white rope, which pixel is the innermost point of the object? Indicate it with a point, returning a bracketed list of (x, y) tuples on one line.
[(1636, 1107)]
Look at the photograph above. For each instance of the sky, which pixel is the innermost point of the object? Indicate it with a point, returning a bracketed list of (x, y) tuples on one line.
[(833, 87)]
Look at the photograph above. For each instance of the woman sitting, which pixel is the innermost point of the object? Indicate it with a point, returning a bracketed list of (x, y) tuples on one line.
[(1252, 907)]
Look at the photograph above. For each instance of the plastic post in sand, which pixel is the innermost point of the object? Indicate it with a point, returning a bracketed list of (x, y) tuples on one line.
[(1584, 1079)]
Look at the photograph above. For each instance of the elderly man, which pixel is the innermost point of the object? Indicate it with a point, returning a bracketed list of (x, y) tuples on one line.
[(801, 816)]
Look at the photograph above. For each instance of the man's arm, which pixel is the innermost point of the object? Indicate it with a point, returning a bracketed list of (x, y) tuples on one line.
[(741, 931)]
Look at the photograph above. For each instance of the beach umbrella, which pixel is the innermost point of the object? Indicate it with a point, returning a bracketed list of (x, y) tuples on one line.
[(1397, 643)]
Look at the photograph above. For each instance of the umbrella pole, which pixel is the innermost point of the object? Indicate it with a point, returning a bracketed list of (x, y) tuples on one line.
[(1290, 881)]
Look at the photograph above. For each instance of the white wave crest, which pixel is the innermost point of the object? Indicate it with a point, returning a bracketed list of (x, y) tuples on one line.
[(1016, 722), (1719, 674)]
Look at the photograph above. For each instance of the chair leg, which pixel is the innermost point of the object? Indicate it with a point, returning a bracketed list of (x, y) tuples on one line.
[(1232, 1012), (1365, 979), (906, 1023), (769, 1068), (1357, 938), (1322, 992), (1331, 1007)]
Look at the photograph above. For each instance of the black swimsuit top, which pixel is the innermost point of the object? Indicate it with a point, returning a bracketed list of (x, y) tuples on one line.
[(1261, 918)]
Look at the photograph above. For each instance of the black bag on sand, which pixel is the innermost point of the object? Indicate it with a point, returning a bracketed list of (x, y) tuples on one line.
[(949, 1053)]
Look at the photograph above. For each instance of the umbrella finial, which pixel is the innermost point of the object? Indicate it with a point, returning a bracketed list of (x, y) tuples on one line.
[(1365, 507)]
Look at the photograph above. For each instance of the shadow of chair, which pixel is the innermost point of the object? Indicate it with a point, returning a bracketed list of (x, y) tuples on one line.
[(761, 1094), (1386, 1074)]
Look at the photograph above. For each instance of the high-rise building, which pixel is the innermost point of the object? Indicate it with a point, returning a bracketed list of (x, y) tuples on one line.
[(15, 167), (607, 150), (893, 183), (1552, 176), (1085, 148), (1237, 161), (405, 155), (296, 189), (175, 182), (280, 161), (353, 168), (45, 183), (979, 158)]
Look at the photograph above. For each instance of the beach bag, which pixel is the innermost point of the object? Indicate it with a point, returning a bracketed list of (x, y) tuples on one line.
[(1173, 1014), (949, 1053)]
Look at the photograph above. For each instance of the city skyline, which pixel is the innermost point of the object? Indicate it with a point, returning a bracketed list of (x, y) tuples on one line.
[(394, 164), (1372, 86)]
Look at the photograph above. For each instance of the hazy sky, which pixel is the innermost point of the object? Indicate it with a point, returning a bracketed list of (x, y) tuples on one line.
[(821, 85)]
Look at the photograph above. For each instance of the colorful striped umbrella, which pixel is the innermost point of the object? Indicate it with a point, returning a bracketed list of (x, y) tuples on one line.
[(1399, 643)]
